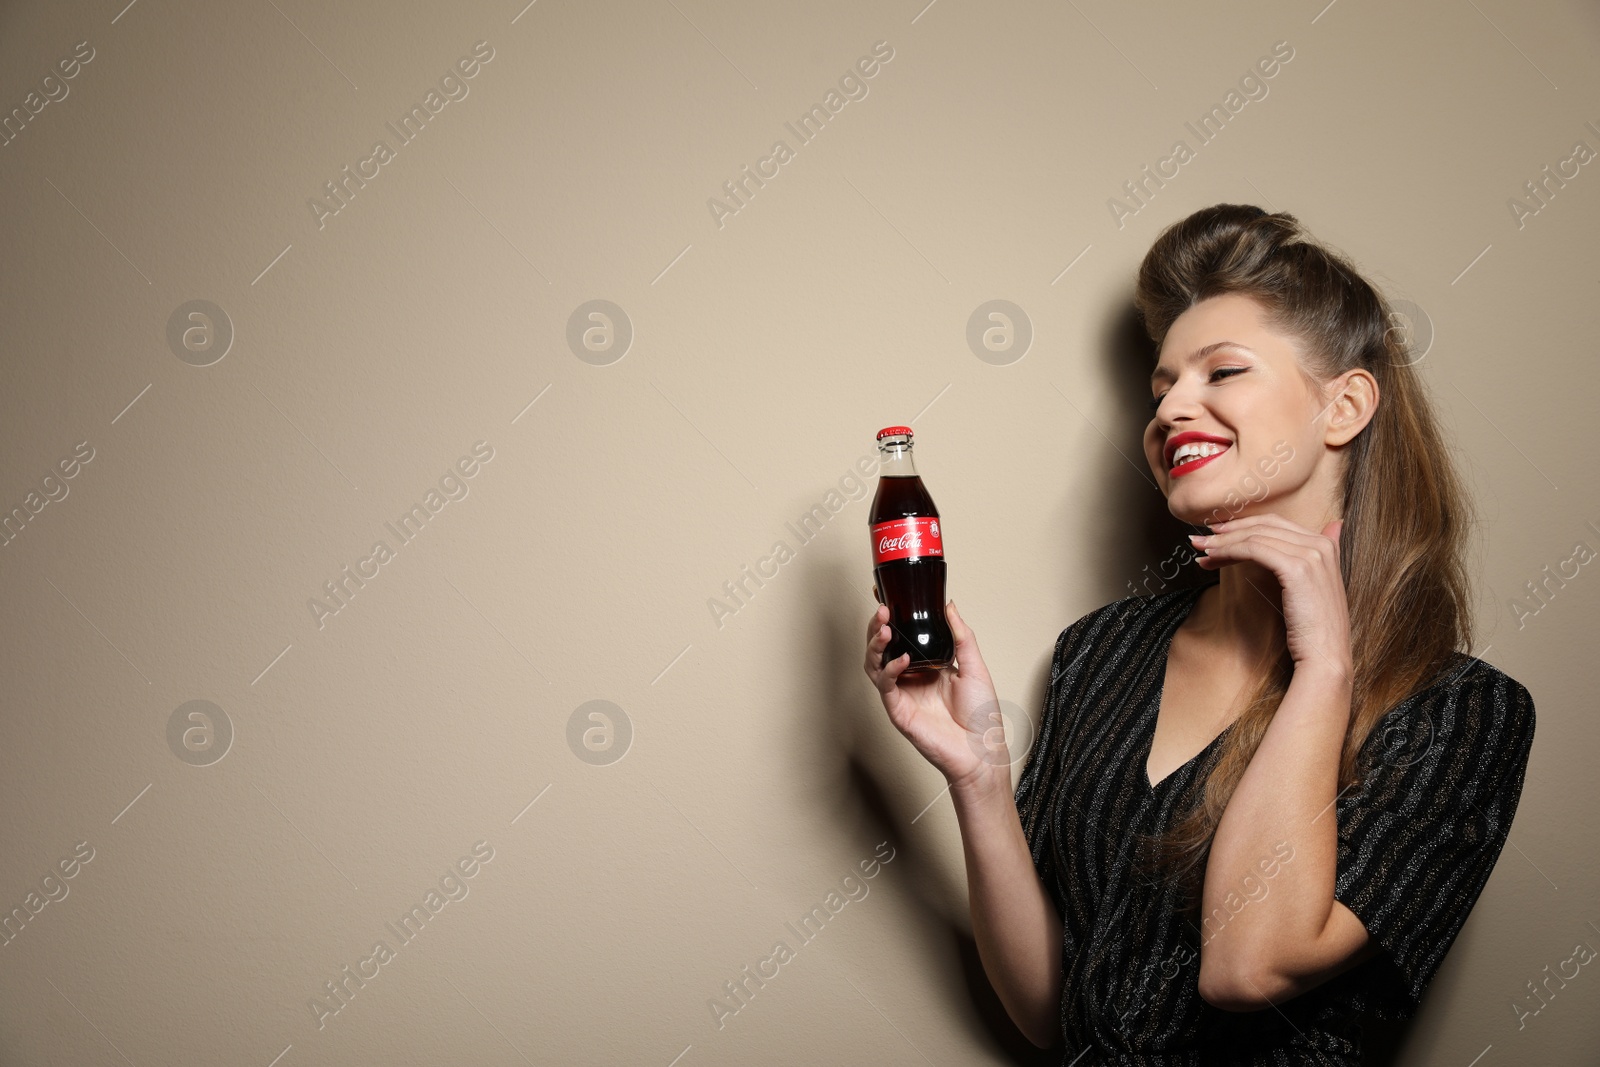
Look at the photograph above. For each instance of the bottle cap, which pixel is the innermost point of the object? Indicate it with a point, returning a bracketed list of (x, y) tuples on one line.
[(888, 431)]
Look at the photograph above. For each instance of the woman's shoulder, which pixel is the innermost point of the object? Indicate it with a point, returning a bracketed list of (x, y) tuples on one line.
[(1468, 677), (1458, 747), (1472, 701)]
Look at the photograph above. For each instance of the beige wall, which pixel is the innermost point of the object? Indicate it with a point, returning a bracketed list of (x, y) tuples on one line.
[(373, 348)]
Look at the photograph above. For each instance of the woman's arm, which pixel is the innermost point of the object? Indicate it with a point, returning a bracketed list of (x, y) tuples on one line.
[(1014, 920), (1294, 935), (950, 718)]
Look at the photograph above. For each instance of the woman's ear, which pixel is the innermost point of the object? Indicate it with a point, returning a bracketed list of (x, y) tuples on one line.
[(1353, 401)]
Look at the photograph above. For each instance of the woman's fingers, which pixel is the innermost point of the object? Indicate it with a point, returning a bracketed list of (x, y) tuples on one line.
[(1271, 552), (1292, 562), (874, 661), (883, 675), (876, 627), (1328, 536), (1267, 518), (888, 676), (879, 617), (968, 656), (1231, 535), (1262, 526)]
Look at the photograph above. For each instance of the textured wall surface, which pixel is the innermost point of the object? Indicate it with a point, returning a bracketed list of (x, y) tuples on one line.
[(427, 373)]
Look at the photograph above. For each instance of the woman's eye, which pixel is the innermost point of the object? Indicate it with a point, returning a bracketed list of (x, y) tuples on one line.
[(1155, 401)]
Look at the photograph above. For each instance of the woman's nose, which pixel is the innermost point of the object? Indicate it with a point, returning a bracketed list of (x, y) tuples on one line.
[(1177, 404)]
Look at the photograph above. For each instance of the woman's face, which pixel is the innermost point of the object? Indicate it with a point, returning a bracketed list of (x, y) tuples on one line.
[(1249, 430)]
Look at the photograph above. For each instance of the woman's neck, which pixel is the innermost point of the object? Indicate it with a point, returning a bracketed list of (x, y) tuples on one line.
[(1243, 614)]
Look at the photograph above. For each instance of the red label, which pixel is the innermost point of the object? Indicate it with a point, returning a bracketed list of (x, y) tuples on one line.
[(906, 539)]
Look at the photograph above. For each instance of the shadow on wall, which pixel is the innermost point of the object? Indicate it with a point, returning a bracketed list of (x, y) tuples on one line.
[(843, 727), (1123, 535)]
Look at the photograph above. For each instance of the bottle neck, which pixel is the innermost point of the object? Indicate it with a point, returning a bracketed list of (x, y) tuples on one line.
[(894, 460)]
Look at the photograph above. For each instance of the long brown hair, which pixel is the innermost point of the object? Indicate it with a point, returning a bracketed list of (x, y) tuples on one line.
[(1406, 515)]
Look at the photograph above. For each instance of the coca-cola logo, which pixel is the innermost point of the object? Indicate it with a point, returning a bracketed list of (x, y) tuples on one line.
[(911, 540)]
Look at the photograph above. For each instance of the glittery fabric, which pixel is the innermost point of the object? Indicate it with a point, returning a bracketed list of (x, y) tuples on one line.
[(1418, 836)]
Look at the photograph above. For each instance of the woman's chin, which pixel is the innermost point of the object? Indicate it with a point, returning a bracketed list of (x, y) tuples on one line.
[(1194, 515)]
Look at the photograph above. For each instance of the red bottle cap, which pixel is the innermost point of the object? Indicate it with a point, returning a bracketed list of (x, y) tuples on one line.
[(890, 430)]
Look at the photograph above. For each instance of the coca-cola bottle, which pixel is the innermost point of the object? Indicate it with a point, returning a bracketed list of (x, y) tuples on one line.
[(908, 559)]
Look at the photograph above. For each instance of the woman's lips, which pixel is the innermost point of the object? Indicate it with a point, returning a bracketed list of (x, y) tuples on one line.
[(1191, 465)]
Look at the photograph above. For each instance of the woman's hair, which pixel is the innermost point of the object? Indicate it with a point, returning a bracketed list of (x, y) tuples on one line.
[(1402, 546)]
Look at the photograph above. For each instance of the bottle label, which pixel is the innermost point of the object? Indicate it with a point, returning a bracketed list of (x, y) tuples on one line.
[(906, 539)]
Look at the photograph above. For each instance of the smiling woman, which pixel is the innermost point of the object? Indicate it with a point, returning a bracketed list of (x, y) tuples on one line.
[(1342, 605), (1188, 733)]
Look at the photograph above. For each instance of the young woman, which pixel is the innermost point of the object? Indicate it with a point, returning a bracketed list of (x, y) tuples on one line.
[(1262, 807)]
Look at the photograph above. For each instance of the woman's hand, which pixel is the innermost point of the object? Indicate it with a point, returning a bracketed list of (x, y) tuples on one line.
[(1315, 613), (951, 716)]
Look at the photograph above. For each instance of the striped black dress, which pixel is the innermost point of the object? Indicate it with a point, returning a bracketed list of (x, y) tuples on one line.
[(1417, 839)]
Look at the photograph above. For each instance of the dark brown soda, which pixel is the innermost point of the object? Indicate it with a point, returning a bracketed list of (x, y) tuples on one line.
[(913, 588)]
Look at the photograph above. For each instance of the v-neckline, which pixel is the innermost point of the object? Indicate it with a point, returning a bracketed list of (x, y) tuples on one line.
[(1154, 709)]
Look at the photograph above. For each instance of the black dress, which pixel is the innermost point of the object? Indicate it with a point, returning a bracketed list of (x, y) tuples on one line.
[(1417, 838)]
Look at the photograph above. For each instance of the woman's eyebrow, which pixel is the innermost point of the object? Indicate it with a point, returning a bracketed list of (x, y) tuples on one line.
[(1165, 374)]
